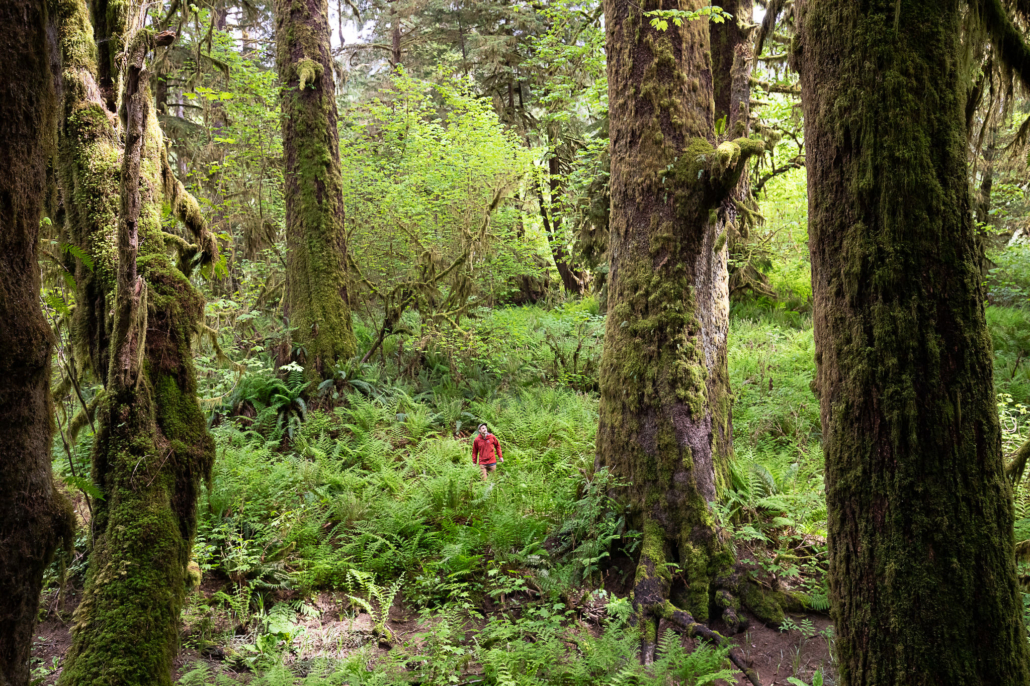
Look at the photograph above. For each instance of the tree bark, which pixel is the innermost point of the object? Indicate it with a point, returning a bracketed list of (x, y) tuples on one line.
[(732, 59), (316, 240), (34, 516), (665, 402), (152, 449), (922, 575)]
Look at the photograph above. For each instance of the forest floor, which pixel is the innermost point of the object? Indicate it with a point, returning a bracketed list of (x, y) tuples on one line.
[(337, 633), (322, 532)]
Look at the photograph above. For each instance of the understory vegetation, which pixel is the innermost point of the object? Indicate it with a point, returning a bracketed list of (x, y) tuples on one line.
[(355, 502), (344, 535), (375, 504)]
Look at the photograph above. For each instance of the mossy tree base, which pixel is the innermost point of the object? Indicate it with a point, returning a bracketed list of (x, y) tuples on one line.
[(665, 425)]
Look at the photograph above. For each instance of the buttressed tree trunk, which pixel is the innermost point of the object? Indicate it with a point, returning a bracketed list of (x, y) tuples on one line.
[(922, 576), (316, 240), (34, 516), (152, 449), (665, 402)]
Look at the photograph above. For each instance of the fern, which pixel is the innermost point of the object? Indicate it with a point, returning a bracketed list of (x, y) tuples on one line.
[(378, 600)]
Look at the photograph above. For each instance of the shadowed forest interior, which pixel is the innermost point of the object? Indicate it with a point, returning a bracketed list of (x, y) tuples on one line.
[(740, 290)]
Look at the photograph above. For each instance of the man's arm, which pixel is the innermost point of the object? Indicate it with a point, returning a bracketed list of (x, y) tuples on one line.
[(475, 450), (497, 444)]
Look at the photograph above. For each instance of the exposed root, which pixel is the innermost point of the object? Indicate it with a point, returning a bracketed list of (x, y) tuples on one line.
[(693, 628), (651, 591)]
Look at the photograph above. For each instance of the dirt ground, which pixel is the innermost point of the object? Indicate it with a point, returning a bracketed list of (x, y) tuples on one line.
[(778, 655), (775, 655)]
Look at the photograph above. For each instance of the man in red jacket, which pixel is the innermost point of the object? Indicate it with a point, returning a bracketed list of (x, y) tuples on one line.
[(486, 451)]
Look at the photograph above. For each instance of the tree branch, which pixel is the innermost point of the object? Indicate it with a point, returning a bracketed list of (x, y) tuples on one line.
[(1007, 39)]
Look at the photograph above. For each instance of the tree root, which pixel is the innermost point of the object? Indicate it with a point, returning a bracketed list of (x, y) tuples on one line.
[(651, 603), (692, 628)]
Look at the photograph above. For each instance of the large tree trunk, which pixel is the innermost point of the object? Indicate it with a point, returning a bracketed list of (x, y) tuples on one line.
[(34, 516), (152, 449), (732, 59), (665, 401), (316, 285), (922, 574)]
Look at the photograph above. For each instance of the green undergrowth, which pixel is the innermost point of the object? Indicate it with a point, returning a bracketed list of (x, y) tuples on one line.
[(382, 485), (777, 501), (1010, 334), (374, 496)]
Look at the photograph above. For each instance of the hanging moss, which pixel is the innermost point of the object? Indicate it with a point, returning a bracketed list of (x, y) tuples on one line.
[(152, 450), (88, 172)]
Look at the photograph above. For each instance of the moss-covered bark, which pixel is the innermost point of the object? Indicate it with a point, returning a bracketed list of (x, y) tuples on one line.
[(152, 449), (34, 516), (88, 173), (316, 260), (920, 518), (665, 399)]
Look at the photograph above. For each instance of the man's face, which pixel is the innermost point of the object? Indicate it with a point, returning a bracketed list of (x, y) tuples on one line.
[(483, 431)]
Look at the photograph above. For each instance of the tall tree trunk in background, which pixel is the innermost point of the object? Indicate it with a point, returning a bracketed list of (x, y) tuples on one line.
[(152, 449), (34, 516), (316, 275), (732, 58), (396, 54), (983, 199), (665, 402), (922, 575), (570, 278), (732, 61)]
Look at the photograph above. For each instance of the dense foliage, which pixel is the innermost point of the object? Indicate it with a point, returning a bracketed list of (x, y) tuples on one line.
[(344, 535)]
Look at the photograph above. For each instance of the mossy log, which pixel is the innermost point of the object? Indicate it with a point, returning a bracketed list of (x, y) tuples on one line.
[(922, 571)]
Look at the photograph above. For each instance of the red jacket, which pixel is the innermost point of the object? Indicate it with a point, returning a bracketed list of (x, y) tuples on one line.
[(486, 450)]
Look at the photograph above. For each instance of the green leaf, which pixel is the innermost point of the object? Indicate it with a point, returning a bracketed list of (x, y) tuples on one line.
[(84, 485), (76, 251)]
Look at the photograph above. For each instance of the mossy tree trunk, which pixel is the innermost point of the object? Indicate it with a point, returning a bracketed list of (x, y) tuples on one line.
[(152, 449), (732, 59), (922, 576), (88, 173), (316, 240), (34, 516), (665, 401)]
